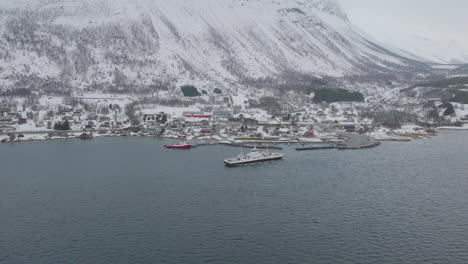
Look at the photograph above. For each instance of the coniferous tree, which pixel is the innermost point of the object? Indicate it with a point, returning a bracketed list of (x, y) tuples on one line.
[(62, 126), (66, 126), (164, 119), (449, 110)]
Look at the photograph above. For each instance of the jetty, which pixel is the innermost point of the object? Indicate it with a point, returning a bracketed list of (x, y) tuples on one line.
[(318, 146), (356, 141)]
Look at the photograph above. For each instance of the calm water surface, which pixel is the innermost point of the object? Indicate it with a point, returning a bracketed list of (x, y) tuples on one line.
[(128, 200)]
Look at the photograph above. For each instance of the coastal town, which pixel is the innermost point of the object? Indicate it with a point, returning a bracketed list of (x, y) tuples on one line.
[(238, 119)]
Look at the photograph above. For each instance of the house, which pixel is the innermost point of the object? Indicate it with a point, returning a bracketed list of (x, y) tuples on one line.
[(328, 122), (205, 131), (147, 118), (119, 125), (223, 113), (6, 121), (350, 128), (4, 110), (105, 125), (178, 121), (250, 122), (5, 103), (252, 128), (13, 115), (177, 130), (64, 109), (256, 135), (152, 130), (22, 121), (283, 131), (309, 134), (235, 121), (105, 111), (205, 122)]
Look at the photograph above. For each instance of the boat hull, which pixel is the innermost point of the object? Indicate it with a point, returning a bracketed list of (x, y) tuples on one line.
[(240, 163), (178, 147)]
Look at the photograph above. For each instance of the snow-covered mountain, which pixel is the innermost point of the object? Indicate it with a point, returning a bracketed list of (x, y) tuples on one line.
[(432, 32), (461, 70), (217, 42), (441, 51)]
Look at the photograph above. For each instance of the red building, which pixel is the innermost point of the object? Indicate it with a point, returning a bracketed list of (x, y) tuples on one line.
[(309, 134)]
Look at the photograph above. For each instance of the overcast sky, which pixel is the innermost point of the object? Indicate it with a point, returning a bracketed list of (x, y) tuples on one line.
[(433, 18)]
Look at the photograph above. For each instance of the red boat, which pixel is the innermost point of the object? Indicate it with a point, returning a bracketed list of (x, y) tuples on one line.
[(86, 136), (178, 146)]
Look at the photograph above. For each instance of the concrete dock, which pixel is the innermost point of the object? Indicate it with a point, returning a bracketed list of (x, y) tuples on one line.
[(357, 141)]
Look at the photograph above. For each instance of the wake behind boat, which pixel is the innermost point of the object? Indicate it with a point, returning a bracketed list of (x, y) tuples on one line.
[(254, 156)]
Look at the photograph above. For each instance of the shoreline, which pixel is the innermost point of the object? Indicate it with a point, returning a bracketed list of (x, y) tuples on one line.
[(347, 140)]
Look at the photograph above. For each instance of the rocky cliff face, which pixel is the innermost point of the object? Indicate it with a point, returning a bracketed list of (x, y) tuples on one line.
[(218, 43)]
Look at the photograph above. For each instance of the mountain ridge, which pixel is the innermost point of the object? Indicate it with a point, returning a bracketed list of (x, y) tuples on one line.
[(140, 42)]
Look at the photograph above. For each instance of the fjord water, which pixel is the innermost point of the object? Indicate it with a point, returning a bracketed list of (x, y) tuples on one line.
[(128, 200)]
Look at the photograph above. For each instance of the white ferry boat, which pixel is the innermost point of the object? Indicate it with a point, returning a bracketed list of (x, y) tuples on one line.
[(254, 156)]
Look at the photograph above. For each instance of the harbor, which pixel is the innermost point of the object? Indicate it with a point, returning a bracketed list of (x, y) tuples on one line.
[(134, 188)]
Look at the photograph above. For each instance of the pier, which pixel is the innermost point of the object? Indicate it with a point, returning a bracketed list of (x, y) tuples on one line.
[(357, 141)]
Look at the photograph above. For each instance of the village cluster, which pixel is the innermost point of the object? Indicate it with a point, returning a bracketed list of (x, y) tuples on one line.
[(105, 115)]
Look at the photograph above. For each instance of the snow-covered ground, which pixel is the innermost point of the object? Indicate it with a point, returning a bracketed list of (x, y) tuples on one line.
[(175, 112)]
